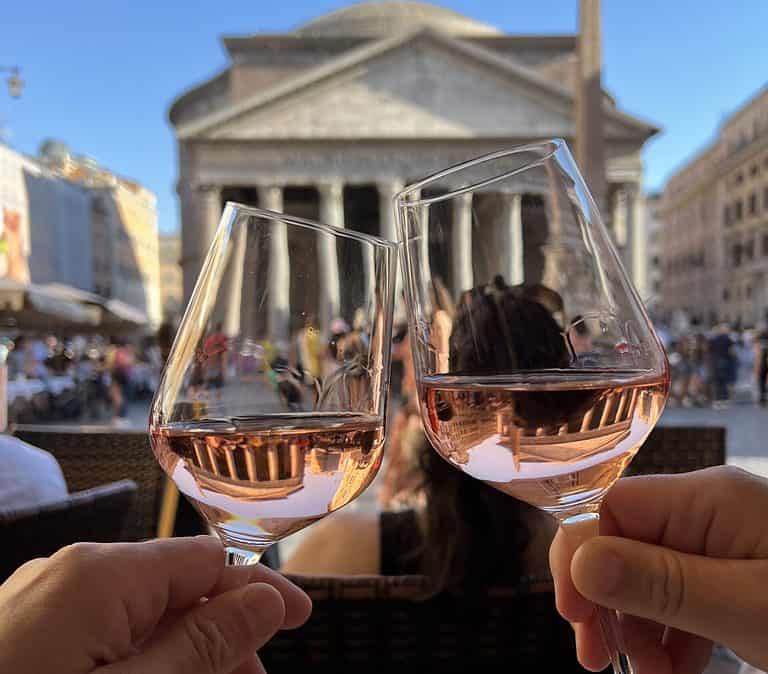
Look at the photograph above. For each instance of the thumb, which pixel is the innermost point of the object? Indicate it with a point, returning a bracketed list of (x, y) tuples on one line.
[(719, 599), (214, 638)]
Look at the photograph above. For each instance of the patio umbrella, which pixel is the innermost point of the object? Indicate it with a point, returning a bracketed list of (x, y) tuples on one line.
[(119, 316), (35, 307), (115, 316)]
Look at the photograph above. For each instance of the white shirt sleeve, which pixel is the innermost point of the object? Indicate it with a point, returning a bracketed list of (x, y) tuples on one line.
[(29, 476)]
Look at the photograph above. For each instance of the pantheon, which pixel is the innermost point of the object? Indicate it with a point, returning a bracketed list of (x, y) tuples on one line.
[(330, 121)]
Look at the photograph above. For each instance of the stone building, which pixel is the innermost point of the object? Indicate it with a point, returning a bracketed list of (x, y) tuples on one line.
[(331, 120), (123, 244), (714, 238), (653, 250), (171, 288)]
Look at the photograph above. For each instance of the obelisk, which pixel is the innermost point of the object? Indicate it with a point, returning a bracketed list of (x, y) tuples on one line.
[(590, 139)]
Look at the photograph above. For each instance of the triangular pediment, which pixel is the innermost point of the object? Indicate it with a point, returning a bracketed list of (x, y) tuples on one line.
[(420, 88)]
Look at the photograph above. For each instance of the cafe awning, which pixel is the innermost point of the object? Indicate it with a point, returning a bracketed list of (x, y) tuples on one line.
[(36, 307)]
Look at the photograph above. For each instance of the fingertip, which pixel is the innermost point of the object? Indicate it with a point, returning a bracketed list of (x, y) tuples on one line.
[(298, 608), (570, 604), (597, 569), (590, 649), (298, 605), (573, 607), (265, 606)]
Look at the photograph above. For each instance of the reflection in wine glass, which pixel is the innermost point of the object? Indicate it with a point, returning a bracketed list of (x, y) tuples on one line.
[(542, 375), (266, 418)]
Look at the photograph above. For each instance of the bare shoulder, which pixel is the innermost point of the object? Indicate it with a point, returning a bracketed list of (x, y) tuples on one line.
[(341, 544)]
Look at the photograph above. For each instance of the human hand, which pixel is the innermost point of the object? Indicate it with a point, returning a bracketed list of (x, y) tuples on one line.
[(167, 605), (690, 567)]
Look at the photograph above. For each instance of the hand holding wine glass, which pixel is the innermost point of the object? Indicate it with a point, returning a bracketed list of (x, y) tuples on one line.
[(690, 564), (539, 372), (165, 605)]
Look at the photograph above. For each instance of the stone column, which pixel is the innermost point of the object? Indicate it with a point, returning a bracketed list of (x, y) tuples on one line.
[(279, 277), (461, 244), (426, 272), (232, 284), (637, 236), (200, 213), (331, 213), (387, 223), (512, 224)]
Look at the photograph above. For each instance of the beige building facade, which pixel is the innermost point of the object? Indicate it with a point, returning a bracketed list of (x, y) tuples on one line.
[(171, 286), (124, 235), (331, 120), (714, 236)]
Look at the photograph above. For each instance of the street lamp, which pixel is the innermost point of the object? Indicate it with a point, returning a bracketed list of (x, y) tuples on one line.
[(15, 83)]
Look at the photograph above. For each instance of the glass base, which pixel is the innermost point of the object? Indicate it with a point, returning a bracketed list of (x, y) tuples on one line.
[(240, 557)]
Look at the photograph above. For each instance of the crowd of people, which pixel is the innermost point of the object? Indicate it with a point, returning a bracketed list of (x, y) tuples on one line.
[(716, 366), (90, 378)]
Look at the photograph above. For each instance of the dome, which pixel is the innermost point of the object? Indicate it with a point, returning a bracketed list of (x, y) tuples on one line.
[(387, 17)]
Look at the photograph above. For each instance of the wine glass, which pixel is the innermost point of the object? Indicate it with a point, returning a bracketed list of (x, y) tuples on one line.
[(538, 369), (270, 411)]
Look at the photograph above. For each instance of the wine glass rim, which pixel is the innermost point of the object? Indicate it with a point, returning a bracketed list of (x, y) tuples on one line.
[(550, 147), (311, 224)]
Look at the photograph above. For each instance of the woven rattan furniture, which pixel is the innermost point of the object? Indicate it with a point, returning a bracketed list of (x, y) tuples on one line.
[(390, 624), (680, 449), (95, 455), (96, 515)]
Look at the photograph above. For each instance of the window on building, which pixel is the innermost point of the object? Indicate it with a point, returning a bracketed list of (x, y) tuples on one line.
[(748, 292), (727, 215), (754, 170), (752, 203), (738, 213), (738, 178), (655, 261), (726, 294), (765, 198), (749, 249), (765, 244), (736, 254)]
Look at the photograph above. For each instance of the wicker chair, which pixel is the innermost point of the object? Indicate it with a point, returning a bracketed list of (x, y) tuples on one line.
[(94, 455), (95, 515), (389, 623), (680, 449)]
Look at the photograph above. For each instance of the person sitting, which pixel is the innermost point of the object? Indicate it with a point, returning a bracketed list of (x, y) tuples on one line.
[(462, 516), (29, 477)]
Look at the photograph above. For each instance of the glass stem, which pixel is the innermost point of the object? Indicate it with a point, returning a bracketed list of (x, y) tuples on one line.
[(240, 557), (578, 528)]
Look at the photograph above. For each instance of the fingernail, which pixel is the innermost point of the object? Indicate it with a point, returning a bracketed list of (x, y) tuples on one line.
[(609, 573)]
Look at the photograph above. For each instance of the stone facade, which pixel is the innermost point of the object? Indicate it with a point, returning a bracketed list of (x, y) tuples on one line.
[(369, 98), (171, 286), (714, 238), (654, 251)]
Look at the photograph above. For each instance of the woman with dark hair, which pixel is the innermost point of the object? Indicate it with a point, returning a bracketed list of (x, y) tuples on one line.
[(468, 533)]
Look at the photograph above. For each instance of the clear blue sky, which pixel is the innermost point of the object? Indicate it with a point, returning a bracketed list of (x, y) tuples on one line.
[(100, 75)]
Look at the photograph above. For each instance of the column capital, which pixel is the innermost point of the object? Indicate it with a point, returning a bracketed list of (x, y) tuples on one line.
[(330, 189), (269, 188), (207, 189), (270, 196), (463, 200), (390, 186)]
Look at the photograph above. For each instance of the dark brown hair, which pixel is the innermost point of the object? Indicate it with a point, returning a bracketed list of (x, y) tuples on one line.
[(475, 535)]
